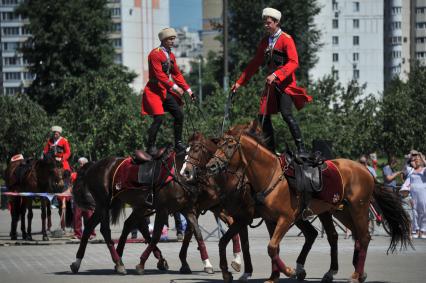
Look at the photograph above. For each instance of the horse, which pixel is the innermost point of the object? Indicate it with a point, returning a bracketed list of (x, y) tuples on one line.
[(281, 203), (199, 152), (170, 196), (36, 176)]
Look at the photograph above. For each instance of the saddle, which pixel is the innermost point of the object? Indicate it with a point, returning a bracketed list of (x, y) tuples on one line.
[(149, 166), (304, 172)]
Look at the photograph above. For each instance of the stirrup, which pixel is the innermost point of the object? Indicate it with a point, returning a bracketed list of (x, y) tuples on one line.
[(307, 214)]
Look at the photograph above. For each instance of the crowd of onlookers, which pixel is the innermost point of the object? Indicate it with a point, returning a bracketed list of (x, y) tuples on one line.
[(409, 181)]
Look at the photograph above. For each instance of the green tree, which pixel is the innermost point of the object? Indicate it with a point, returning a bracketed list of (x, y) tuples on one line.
[(68, 39), (23, 128)]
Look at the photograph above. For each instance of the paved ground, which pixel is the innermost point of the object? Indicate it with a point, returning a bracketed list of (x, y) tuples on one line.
[(41, 262)]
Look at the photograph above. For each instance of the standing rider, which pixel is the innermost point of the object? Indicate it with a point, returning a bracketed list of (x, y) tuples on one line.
[(61, 149), (278, 52), (164, 91)]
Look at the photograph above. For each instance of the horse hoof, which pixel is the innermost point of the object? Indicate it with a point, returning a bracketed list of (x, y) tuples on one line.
[(74, 267), (227, 276), (208, 270), (45, 238), (244, 278), (140, 269), (163, 265), (363, 277), (236, 266), (120, 269), (185, 269), (290, 272), (29, 237), (301, 275)]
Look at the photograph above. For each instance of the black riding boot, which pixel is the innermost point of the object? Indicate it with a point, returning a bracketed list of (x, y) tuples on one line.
[(296, 134), (268, 132), (152, 135), (180, 147)]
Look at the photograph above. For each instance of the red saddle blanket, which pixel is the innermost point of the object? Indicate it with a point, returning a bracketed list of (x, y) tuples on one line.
[(332, 183), (126, 175)]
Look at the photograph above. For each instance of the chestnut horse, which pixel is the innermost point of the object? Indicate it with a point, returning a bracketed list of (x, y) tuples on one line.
[(264, 172), (43, 176), (231, 189), (174, 196)]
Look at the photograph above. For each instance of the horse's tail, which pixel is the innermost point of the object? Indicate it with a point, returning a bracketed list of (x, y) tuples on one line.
[(395, 216), (116, 210)]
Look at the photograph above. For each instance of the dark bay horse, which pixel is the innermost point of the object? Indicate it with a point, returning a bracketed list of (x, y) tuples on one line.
[(41, 176), (232, 188), (282, 206), (174, 196)]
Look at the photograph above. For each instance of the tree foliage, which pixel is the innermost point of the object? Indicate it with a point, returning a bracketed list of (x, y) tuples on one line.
[(68, 39), (24, 127)]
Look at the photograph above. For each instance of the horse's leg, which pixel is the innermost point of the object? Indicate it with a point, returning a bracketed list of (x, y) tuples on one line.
[(160, 220), (362, 239), (91, 224), (129, 225), (49, 215), (106, 233), (43, 204), (223, 242), (30, 219), (248, 267), (283, 224), (236, 247), (143, 228), (275, 273), (15, 211), (332, 237), (185, 269), (23, 212), (310, 234), (208, 268)]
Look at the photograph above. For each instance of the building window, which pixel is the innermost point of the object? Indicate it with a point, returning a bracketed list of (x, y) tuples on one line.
[(26, 31), (420, 55), (9, 2), (335, 74), (355, 6), (335, 23), (335, 40), (118, 58), (355, 57), (115, 12), (356, 74), (28, 76), (420, 10), (9, 16), (395, 40), (10, 31), (335, 5), (355, 23), (116, 27), (335, 57), (421, 25), (11, 61), (395, 25), (396, 10), (116, 42), (12, 90), (12, 76), (355, 40), (10, 46)]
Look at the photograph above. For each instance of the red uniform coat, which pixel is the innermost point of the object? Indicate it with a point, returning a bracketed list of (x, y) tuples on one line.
[(63, 150), (160, 82), (285, 76)]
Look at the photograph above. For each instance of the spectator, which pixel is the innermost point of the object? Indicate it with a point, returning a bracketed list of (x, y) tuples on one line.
[(78, 212), (373, 157), (390, 173), (416, 183), (364, 161)]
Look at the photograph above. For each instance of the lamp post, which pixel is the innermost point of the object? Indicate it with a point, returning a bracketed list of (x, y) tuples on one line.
[(225, 45), (200, 84)]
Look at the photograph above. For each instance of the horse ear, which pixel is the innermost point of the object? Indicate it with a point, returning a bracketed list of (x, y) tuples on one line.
[(253, 126)]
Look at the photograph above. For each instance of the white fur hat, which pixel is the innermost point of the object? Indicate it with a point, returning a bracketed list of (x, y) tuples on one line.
[(56, 129), (83, 160), (166, 33), (271, 12), (17, 157)]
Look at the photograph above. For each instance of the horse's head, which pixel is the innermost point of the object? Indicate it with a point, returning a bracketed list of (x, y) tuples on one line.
[(51, 173), (198, 153), (228, 147)]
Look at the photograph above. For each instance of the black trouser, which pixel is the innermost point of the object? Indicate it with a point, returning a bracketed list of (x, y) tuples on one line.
[(170, 105), (285, 104)]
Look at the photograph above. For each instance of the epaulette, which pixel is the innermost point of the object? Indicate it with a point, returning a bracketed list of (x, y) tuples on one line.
[(287, 35)]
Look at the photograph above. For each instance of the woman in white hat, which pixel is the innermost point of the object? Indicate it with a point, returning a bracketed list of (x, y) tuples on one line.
[(164, 91)]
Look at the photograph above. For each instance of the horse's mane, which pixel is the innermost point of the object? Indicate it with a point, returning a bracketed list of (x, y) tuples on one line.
[(257, 136)]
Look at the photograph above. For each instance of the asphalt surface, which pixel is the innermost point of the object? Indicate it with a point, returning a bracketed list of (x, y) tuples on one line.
[(45, 262)]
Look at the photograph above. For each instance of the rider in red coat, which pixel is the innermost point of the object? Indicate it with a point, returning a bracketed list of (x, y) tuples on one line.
[(61, 149), (278, 52), (164, 91)]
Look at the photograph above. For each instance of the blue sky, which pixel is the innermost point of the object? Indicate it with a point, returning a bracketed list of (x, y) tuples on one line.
[(186, 13)]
